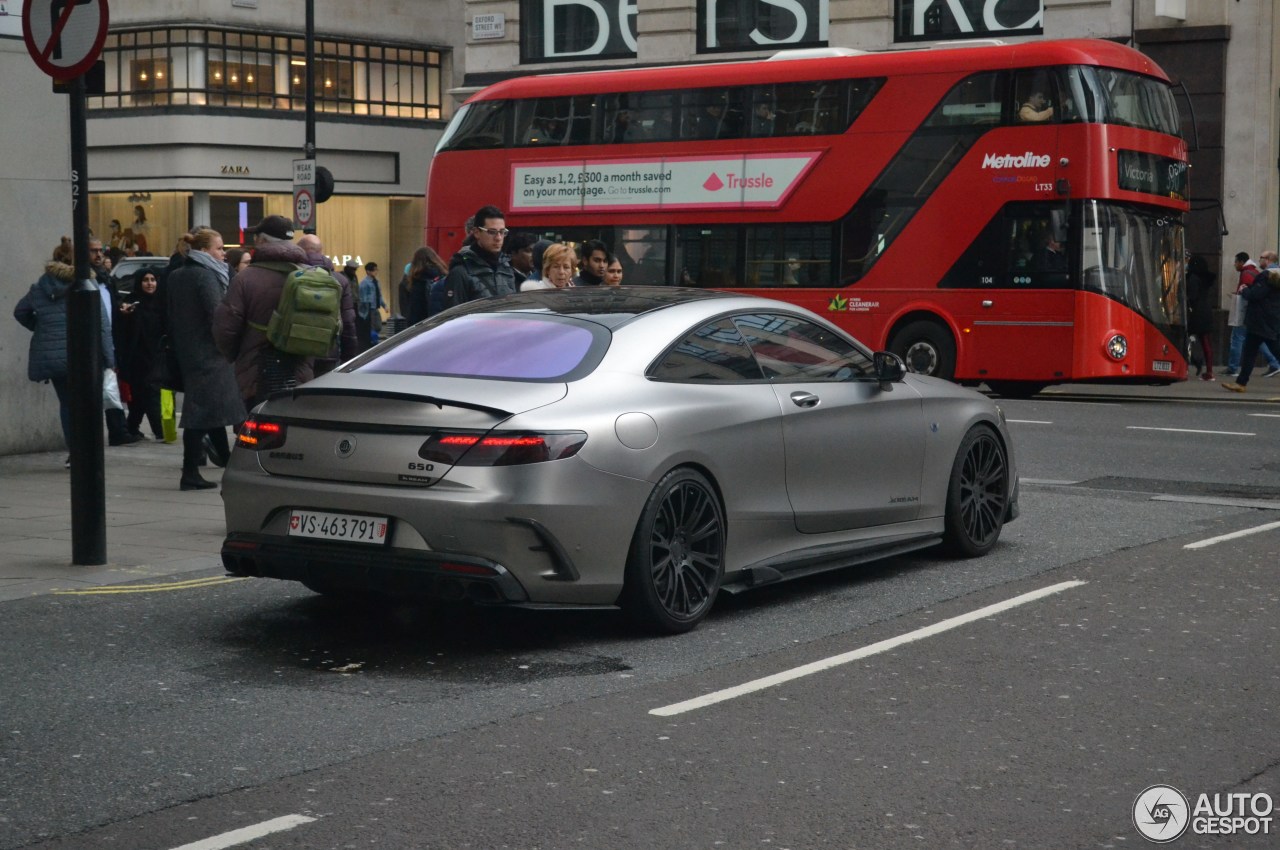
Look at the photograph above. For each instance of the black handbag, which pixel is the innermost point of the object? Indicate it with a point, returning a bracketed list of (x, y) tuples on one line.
[(167, 374)]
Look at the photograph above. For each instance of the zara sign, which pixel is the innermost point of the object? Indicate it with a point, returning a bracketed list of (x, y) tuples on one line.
[(566, 30), (937, 20)]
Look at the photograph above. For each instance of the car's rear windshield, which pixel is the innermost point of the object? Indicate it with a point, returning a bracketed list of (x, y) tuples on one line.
[(498, 346)]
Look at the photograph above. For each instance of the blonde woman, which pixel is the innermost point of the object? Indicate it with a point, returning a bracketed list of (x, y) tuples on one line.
[(557, 269)]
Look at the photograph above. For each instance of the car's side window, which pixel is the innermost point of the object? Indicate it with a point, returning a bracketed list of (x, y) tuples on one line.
[(713, 353), (791, 348)]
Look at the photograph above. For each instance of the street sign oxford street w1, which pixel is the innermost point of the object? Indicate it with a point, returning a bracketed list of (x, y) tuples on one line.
[(64, 37)]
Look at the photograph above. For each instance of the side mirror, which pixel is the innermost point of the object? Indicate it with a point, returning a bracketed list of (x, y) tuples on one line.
[(889, 369)]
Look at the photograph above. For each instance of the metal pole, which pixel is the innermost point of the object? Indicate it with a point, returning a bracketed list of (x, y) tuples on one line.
[(84, 364), (309, 148)]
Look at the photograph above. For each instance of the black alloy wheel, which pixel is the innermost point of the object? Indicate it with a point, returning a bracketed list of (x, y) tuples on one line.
[(676, 561), (978, 494)]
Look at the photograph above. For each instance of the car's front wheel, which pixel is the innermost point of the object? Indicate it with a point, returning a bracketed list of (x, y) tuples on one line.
[(977, 495), (676, 560)]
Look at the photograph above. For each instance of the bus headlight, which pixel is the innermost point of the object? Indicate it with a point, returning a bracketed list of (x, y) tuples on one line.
[(1117, 347)]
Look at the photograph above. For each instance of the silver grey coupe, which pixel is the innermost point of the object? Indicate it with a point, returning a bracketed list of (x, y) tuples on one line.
[(647, 448)]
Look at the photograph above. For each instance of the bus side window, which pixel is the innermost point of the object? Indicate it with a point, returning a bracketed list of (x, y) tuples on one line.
[(974, 101), (1036, 98)]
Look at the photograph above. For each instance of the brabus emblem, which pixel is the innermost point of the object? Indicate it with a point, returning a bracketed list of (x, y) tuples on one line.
[(346, 447)]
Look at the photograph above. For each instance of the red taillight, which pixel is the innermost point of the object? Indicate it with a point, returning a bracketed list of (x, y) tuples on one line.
[(261, 434), (501, 449)]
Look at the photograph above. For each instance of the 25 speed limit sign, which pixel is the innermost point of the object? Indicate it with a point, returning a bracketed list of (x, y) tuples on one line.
[(304, 207)]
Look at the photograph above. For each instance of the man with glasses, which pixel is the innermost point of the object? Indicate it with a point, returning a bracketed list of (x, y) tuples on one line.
[(481, 270)]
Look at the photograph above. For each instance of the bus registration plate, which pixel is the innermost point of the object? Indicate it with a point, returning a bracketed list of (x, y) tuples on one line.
[(1162, 365), (349, 528)]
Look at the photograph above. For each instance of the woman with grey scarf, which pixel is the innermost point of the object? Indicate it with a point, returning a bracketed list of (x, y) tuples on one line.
[(211, 399)]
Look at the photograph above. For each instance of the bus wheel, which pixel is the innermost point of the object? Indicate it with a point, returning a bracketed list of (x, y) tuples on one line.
[(927, 348), (1016, 389)]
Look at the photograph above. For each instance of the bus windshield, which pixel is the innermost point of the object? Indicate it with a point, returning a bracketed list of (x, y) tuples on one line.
[(1108, 96), (1135, 257)]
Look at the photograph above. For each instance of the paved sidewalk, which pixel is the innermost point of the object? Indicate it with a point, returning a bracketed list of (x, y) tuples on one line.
[(154, 530)]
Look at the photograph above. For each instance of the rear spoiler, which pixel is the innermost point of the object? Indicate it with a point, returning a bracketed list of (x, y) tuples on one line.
[(410, 397)]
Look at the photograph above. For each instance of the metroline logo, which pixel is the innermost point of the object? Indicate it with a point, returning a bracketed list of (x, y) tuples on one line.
[(1013, 160)]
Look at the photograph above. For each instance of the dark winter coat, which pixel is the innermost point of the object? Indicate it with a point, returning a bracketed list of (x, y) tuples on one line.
[(251, 298), (474, 274), (420, 295), (44, 310), (210, 397), (138, 335), (1199, 302), (1262, 305)]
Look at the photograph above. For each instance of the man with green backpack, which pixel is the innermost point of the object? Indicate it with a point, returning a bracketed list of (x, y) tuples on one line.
[(280, 314)]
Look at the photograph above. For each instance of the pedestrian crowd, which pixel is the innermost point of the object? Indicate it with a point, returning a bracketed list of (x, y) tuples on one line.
[(226, 327)]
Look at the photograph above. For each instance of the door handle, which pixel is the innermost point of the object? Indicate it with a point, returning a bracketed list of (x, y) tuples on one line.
[(803, 399), (988, 304)]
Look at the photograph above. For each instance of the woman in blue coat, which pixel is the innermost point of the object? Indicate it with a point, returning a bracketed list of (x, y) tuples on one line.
[(43, 310)]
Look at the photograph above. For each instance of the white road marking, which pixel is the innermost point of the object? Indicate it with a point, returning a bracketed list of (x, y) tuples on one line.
[(1046, 481), (1200, 544), (247, 834), (866, 651), (1263, 504), (1267, 415), (1030, 421), (1193, 431)]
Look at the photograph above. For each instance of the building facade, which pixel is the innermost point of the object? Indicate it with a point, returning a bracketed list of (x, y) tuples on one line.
[(202, 115), (1224, 53)]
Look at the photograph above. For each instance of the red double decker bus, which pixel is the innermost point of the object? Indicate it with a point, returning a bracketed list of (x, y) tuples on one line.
[(1008, 214)]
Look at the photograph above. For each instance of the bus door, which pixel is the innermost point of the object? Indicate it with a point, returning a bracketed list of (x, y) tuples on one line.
[(1016, 314)]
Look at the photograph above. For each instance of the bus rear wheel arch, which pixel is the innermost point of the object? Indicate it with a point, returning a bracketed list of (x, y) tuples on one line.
[(926, 346)]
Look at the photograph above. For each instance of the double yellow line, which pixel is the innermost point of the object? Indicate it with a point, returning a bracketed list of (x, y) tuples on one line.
[(191, 584)]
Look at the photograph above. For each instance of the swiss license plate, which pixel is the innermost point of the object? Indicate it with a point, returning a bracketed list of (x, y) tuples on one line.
[(1162, 365), (349, 528)]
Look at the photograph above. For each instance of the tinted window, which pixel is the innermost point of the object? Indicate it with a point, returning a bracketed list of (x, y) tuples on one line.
[(482, 124), (714, 352), (790, 348), (1025, 245), (531, 348), (553, 121)]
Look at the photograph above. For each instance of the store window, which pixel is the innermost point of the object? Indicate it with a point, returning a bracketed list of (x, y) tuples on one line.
[(238, 70)]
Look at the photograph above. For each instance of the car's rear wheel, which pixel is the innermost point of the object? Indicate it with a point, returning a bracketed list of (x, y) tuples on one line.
[(977, 495), (677, 555)]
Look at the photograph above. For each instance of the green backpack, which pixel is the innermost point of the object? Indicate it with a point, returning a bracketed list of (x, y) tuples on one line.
[(308, 318)]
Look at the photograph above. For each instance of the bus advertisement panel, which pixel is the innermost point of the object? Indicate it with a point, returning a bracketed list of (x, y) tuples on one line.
[(1005, 214)]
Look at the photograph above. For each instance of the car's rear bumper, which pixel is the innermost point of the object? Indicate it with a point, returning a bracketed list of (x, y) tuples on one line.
[(357, 568)]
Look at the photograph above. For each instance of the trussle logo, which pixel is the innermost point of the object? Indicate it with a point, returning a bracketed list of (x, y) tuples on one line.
[(715, 184), (1010, 160)]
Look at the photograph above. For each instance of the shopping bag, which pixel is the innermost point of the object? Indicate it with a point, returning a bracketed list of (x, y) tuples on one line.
[(111, 391), (168, 416)]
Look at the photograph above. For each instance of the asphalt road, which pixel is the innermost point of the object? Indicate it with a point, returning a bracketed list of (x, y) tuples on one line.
[(159, 719)]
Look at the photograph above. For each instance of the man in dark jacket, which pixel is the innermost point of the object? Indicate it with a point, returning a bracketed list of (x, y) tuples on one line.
[(595, 257), (480, 270), (1261, 322), (251, 298)]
